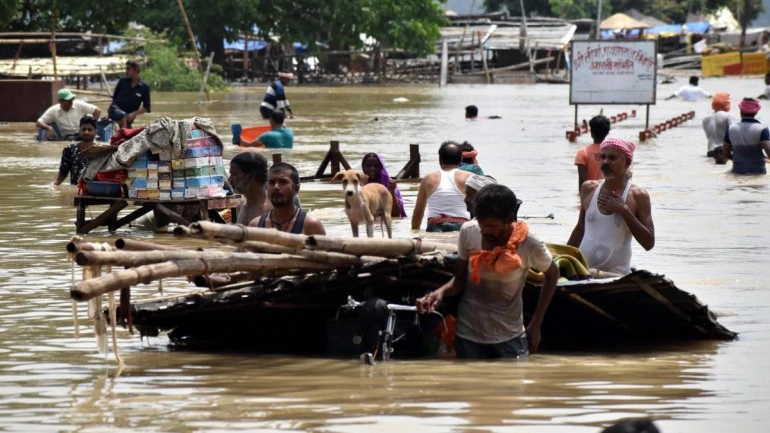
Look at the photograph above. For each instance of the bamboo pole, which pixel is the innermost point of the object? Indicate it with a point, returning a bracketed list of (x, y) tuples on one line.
[(192, 40), (377, 247), (116, 280), (140, 258), (53, 44), (134, 245), (71, 34), (241, 233)]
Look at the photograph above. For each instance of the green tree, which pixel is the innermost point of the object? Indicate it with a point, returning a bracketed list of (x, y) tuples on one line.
[(574, 9), (9, 10), (75, 16)]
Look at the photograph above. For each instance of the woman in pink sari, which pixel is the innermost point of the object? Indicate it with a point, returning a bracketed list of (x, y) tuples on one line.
[(374, 167)]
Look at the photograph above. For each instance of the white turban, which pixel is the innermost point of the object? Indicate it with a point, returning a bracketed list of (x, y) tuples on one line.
[(476, 182)]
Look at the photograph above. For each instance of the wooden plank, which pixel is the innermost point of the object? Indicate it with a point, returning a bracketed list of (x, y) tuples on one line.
[(512, 67), (131, 217), (173, 216), (103, 218)]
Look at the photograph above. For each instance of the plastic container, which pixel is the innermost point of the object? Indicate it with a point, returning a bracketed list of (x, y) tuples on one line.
[(253, 132), (103, 189)]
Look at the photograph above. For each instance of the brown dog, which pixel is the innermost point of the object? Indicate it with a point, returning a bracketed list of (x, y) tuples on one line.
[(365, 201)]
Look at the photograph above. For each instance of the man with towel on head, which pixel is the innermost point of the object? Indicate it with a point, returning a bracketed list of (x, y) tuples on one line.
[(275, 97), (612, 211), (745, 141), (473, 184), (715, 126)]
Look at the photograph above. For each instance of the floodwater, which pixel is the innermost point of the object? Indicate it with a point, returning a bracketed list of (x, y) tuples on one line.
[(712, 235)]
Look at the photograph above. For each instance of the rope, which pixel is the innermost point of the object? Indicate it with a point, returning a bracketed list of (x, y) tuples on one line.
[(243, 232)]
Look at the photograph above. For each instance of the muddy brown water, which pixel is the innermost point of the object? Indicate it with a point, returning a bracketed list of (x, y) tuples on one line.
[(711, 240)]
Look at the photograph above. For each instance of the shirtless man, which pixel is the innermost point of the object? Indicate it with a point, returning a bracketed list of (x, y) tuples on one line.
[(443, 191), (286, 216), (611, 211), (248, 175)]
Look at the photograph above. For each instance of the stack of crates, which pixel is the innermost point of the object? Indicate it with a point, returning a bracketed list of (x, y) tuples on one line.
[(199, 174)]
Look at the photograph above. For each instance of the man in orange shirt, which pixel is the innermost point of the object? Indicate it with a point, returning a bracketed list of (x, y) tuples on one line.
[(587, 158)]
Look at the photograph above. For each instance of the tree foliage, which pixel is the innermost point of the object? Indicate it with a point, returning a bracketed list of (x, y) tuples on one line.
[(75, 16), (674, 11)]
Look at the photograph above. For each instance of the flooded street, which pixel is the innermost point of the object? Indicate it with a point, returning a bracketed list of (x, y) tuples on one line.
[(711, 232)]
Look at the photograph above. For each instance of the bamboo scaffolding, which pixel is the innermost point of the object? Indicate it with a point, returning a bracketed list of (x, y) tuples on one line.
[(241, 233), (133, 245), (235, 262), (377, 247)]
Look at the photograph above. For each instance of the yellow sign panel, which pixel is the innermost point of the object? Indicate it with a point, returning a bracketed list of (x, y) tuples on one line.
[(754, 64), (713, 66)]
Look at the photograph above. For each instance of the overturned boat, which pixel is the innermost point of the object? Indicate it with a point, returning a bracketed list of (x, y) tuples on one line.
[(318, 295)]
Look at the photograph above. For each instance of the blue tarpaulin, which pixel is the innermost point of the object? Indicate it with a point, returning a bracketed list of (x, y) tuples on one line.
[(698, 28), (299, 48)]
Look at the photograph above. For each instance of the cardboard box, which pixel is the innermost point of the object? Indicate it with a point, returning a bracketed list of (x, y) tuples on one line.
[(178, 183), (141, 193), (196, 152), (196, 172), (164, 176), (215, 160), (153, 193), (152, 165), (139, 164), (132, 174), (197, 181), (142, 173), (217, 180), (178, 174), (139, 183), (152, 174), (198, 162), (164, 155), (196, 133), (164, 167), (203, 192), (177, 164), (177, 193), (152, 183), (215, 150), (191, 193), (131, 193), (165, 194), (164, 184), (219, 170)]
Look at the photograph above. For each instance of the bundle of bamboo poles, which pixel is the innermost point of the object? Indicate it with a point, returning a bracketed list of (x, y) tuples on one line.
[(239, 252)]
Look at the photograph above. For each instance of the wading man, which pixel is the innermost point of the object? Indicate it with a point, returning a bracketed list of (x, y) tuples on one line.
[(62, 121), (443, 193), (275, 97), (495, 252), (72, 162), (745, 141), (248, 175), (612, 211), (286, 216), (587, 158), (131, 97)]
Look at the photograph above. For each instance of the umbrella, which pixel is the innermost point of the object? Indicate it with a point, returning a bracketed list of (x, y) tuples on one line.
[(622, 21)]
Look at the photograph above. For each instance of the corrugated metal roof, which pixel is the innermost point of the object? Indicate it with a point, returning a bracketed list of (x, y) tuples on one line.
[(507, 36)]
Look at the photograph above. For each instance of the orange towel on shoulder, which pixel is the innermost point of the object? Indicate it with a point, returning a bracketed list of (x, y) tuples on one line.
[(500, 259)]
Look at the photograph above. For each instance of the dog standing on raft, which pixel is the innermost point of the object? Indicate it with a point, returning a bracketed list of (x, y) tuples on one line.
[(365, 201)]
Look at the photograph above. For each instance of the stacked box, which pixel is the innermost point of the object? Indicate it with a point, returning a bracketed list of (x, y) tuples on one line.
[(199, 173)]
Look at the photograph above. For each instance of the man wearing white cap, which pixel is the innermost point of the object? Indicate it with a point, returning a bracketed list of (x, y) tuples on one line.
[(275, 96), (62, 121), (473, 184)]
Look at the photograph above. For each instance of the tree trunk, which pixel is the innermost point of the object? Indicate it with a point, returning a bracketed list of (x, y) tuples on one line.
[(215, 43)]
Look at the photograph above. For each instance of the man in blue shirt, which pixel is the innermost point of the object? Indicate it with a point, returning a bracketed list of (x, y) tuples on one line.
[(130, 93), (280, 137), (275, 97)]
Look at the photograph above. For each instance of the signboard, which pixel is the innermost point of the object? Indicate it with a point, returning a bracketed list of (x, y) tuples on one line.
[(613, 72)]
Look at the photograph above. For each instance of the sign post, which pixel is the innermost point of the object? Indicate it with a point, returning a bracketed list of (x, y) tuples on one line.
[(613, 72)]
